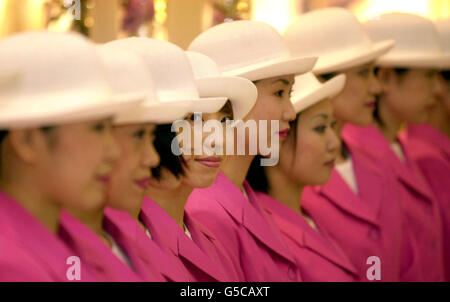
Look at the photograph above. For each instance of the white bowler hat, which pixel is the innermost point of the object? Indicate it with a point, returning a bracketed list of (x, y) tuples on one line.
[(443, 27), (129, 77), (172, 73), (416, 40), (52, 78), (250, 49), (337, 37), (241, 92), (308, 91)]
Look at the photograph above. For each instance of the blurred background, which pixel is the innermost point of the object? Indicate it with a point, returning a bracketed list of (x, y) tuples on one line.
[(179, 21)]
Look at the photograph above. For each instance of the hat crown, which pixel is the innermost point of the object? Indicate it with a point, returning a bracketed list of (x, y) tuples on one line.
[(169, 67), (327, 32), (202, 66), (42, 65), (126, 72), (413, 34), (238, 44), (443, 27)]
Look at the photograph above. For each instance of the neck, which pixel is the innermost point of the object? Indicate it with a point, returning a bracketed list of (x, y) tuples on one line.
[(439, 119), (391, 125), (284, 189), (32, 200), (172, 201), (236, 168), (341, 157), (92, 219)]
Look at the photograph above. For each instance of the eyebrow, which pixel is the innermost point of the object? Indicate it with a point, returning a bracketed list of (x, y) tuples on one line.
[(322, 115), (284, 81)]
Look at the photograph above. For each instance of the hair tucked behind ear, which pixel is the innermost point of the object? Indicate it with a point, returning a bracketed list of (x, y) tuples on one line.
[(446, 74), (163, 145)]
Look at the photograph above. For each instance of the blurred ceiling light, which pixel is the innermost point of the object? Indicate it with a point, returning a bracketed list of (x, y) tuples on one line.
[(279, 14), (432, 9)]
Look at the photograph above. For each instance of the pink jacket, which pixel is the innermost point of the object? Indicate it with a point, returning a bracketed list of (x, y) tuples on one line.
[(28, 251), (434, 137), (318, 258), (419, 204), (199, 257), (94, 253), (365, 224), (157, 260), (250, 237), (433, 160)]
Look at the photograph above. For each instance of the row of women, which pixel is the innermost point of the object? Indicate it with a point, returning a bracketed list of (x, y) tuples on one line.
[(92, 190)]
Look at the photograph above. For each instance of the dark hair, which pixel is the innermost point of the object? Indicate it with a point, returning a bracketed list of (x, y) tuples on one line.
[(256, 175), (327, 76), (163, 145), (446, 74), (3, 134)]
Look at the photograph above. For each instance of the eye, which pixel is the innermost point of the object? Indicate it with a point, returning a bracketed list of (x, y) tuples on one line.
[(139, 134), (320, 129), (279, 93), (100, 127), (364, 72), (430, 74)]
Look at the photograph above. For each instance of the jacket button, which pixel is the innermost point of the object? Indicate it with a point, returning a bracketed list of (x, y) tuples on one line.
[(374, 234), (291, 273)]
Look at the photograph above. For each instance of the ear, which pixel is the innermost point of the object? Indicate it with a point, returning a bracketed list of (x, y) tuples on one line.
[(385, 77), (28, 144)]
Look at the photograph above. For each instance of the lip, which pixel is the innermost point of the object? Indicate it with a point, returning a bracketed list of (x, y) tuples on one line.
[(371, 104), (105, 179), (330, 163), (144, 183), (284, 133), (211, 162)]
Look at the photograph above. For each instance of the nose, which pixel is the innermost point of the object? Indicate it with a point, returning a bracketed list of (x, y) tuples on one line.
[(374, 84), (150, 157), (288, 111), (334, 143), (214, 140)]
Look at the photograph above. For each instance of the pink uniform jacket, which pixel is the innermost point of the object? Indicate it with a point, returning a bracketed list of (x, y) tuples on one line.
[(318, 258), (94, 253), (28, 251), (434, 137), (200, 257), (156, 260), (433, 160), (253, 241), (365, 224), (420, 206)]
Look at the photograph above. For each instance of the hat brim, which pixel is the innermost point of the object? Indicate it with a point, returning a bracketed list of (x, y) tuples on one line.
[(154, 112), (21, 115), (241, 92), (208, 104), (329, 89), (422, 61), (340, 62), (274, 68)]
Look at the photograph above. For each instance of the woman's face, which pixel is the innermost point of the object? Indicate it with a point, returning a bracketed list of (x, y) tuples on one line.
[(77, 164), (308, 156), (273, 104), (200, 171), (131, 174), (356, 103), (410, 97)]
